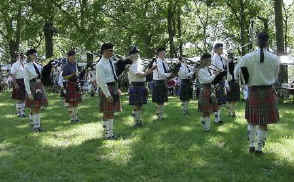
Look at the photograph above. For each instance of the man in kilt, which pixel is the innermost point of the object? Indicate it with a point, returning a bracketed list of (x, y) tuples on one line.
[(185, 74), (160, 76), (233, 89), (219, 64), (73, 92), (109, 92), (138, 93), (261, 107), (207, 102), (18, 92), (35, 92)]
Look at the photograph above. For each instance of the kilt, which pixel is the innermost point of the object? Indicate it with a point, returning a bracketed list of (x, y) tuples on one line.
[(221, 94), (206, 103), (138, 94), (73, 95), (233, 95), (110, 107), (186, 90), (20, 92), (261, 107), (160, 92), (40, 99)]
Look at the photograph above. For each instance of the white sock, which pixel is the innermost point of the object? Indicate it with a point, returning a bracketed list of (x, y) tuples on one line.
[(216, 118), (18, 108), (251, 134), (219, 115), (36, 120), (30, 117), (207, 123), (136, 113), (261, 137), (110, 127), (75, 111)]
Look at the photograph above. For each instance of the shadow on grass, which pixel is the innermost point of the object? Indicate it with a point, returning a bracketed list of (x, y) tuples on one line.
[(174, 149)]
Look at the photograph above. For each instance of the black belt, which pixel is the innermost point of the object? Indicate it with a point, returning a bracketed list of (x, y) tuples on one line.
[(205, 85), (186, 80), (160, 81), (138, 84), (261, 86), (111, 84)]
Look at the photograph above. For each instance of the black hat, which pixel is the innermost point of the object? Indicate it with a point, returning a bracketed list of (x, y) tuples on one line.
[(218, 45), (134, 50), (31, 51), (71, 53), (262, 36), (160, 49), (106, 46)]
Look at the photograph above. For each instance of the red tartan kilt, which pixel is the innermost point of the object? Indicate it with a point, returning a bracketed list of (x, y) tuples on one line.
[(109, 107), (261, 107), (206, 103), (37, 102), (73, 94), (20, 92)]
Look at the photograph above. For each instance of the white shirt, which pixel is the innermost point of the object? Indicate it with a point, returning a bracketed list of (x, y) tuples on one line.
[(17, 69), (204, 76), (265, 73), (219, 62), (29, 74), (186, 71), (104, 75), (158, 73), (135, 68), (60, 79)]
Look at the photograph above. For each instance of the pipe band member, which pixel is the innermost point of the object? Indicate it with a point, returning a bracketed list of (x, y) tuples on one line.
[(18, 92), (160, 88), (207, 102), (109, 92), (73, 92), (35, 92), (185, 74), (219, 63), (138, 93), (261, 107)]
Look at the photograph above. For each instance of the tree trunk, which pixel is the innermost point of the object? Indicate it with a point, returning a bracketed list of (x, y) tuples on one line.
[(283, 76), (279, 26), (242, 22), (180, 31), (171, 32), (49, 32)]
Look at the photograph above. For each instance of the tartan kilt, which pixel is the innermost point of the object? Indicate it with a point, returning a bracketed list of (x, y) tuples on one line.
[(138, 95), (20, 92), (186, 90), (261, 106), (160, 92), (207, 103), (233, 95), (73, 95), (220, 93), (40, 99), (110, 107)]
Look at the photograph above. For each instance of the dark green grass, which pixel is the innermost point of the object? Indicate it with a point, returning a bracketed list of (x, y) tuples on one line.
[(173, 150)]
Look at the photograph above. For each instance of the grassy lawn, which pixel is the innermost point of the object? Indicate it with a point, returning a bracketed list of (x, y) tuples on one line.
[(173, 150)]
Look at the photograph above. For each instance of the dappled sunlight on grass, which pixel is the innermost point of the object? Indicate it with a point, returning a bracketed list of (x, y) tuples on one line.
[(173, 149)]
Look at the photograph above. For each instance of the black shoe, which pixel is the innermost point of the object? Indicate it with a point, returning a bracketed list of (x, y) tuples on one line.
[(111, 138), (220, 122), (258, 153), (77, 120), (251, 149), (37, 130)]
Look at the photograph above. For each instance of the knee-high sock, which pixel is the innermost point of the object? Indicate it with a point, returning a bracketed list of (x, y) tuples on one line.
[(71, 113), (75, 113), (22, 108), (36, 120), (261, 137), (18, 108), (217, 115), (137, 116), (207, 123), (111, 127), (251, 134)]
